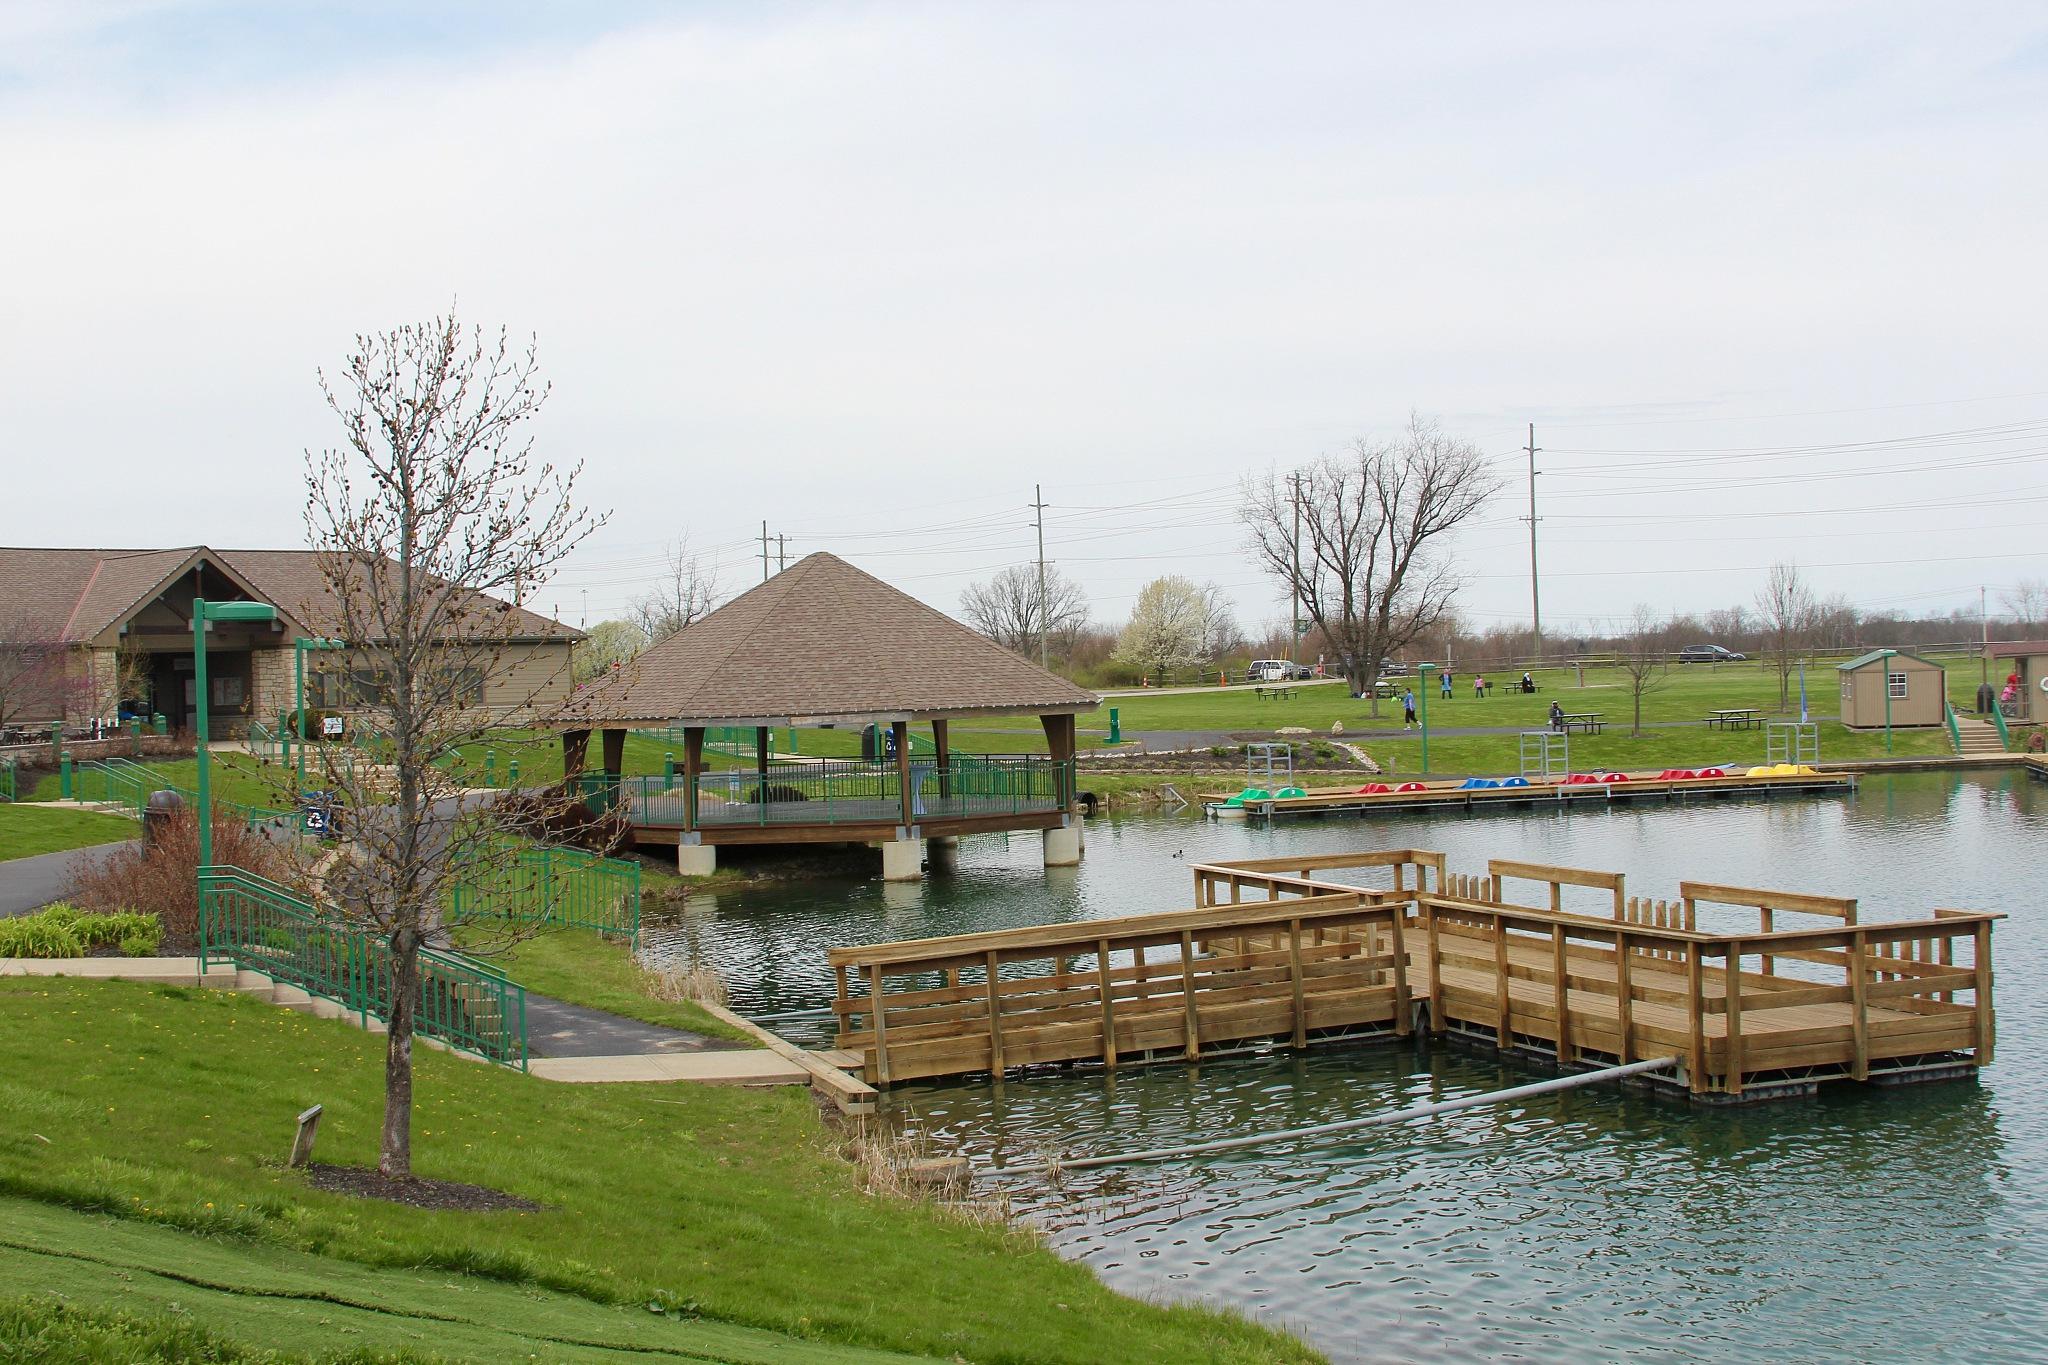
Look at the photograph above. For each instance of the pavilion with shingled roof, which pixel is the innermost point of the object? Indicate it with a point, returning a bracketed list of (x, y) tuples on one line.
[(824, 645)]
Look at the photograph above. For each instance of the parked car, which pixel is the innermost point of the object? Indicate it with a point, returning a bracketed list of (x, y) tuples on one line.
[(1393, 668), (1709, 654), (1277, 670)]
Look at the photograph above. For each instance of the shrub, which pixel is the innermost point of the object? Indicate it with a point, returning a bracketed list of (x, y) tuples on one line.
[(143, 945), (162, 880), (39, 936)]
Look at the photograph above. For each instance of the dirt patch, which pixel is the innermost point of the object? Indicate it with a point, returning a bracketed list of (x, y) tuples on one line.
[(364, 1183)]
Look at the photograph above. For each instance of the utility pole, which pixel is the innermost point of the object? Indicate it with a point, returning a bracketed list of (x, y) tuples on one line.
[(781, 552), (764, 551), (584, 624), (1294, 573), (1535, 596), (1044, 607), (1984, 654)]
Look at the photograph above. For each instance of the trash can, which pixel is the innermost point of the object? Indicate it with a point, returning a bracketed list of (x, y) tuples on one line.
[(157, 813)]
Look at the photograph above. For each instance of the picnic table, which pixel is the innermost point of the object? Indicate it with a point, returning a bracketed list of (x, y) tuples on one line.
[(1735, 718), (1274, 693), (1588, 722)]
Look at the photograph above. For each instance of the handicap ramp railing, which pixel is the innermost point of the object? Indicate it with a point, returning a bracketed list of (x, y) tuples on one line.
[(258, 925), (547, 885)]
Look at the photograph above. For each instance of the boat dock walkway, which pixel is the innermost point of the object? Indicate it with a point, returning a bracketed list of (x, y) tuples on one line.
[(1760, 993), (1458, 796)]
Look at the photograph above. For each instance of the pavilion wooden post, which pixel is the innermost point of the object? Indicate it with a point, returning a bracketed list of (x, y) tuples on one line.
[(693, 764), (1059, 741), (614, 765), (942, 752), (575, 749), (761, 757), (901, 730)]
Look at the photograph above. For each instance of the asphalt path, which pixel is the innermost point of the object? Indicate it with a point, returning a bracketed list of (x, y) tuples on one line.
[(31, 883)]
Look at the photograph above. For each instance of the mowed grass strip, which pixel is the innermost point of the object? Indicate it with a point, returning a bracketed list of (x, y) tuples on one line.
[(585, 968), (175, 1107), (146, 1287), (27, 830)]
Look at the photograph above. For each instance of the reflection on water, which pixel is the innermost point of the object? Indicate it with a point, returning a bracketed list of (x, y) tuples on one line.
[(1866, 1224)]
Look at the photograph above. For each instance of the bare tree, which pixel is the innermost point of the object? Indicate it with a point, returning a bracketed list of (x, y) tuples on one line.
[(1786, 608), (686, 590), (1008, 609), (1222, 635), (36, 680), (1730, 626), (1169, 628), (1645, 657), (2027, 600), (1373, 576), (434, 521)]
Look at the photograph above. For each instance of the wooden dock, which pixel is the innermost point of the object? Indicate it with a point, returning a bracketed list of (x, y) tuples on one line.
[(1761, 992), (1455, 796)]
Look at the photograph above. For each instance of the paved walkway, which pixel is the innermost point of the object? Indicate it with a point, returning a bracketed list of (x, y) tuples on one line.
[(556, 1028), (30, 883)]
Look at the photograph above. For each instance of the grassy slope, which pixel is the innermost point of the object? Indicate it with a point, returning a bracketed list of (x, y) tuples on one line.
[(582, 967), (234, 777), (173, 1107), (259, 1297), (26, 830)]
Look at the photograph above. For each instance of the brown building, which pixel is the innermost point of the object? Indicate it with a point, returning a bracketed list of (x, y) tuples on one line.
[(2024, 663), (1914, 689), (121, 623)]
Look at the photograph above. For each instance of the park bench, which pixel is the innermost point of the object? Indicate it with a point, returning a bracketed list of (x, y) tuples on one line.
[(1735, 718)]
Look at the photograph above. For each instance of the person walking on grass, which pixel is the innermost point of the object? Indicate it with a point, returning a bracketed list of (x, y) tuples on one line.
[(1447, 685), (1408, 709), (1479, 687)]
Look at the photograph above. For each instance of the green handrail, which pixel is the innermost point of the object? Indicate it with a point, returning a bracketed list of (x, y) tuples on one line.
[(124, 782), (1955, 734), (257, 925), (7, 782), (549, 884), (1998, 719)]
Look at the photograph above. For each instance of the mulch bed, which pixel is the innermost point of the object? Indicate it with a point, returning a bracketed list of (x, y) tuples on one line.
[(417, 1193)]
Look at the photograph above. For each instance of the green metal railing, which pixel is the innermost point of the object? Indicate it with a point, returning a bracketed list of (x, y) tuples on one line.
[(9, 782), (544, 884), (2004, 732), (257, 925), (124, 782), (841, 791), (1955, 734)]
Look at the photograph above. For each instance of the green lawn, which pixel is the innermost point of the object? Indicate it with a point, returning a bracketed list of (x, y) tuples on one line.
[(584, 968), (137, 1291), (235, 777), (174, 1108), (26, 830)]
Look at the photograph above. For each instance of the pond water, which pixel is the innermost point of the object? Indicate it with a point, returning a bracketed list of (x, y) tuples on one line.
[(1863, 1224)]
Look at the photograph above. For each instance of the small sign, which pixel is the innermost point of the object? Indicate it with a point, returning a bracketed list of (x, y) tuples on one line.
[(330, 727)]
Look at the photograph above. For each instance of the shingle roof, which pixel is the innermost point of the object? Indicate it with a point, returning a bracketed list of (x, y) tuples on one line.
[(822, 639), (76, 594), (1875, 654)]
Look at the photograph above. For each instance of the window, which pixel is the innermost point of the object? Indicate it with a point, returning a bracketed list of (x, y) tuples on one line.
[(1895, 684), (326, 691), (227, 690)]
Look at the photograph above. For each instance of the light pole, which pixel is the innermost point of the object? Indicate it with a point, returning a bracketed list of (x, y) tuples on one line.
[(1426, 673), (205, 613), (299, 648), (1889, 654)]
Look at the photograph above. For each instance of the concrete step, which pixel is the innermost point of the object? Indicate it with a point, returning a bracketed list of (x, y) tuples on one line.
[(292, 998)]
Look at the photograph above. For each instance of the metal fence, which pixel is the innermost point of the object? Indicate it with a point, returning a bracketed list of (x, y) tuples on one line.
[(547, 885), (123, 782), (842, 791), (9, 782), (257, 925)]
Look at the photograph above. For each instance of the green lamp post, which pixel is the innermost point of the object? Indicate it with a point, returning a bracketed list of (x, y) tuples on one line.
[(1425, 674), (203, 614), (299, 648)]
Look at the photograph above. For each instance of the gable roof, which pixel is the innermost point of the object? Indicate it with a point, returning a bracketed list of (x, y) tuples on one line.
[(1876, 654), (76, 594), (823, 640)]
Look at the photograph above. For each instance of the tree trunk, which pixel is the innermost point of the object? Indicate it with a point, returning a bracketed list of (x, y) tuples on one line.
[(394, 1156)]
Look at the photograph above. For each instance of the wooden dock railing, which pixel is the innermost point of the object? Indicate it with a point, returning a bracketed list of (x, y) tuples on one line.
[(1272, 952)]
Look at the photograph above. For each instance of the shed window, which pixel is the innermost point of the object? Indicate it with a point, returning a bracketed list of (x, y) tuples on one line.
[(1895, 683)]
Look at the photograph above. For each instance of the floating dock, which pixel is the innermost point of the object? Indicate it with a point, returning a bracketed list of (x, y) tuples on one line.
[(1455, 796), (1759, 993)]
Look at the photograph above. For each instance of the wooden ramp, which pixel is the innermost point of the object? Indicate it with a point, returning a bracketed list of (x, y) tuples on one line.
[(1780, 990)]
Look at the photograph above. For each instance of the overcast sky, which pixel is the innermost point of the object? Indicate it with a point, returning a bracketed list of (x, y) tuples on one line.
[(1768, 278)]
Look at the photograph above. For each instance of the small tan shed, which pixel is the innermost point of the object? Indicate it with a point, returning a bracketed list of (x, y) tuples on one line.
[(1915, 689)]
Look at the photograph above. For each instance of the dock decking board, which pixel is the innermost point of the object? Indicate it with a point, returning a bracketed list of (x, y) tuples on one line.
[(1270, 953)]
